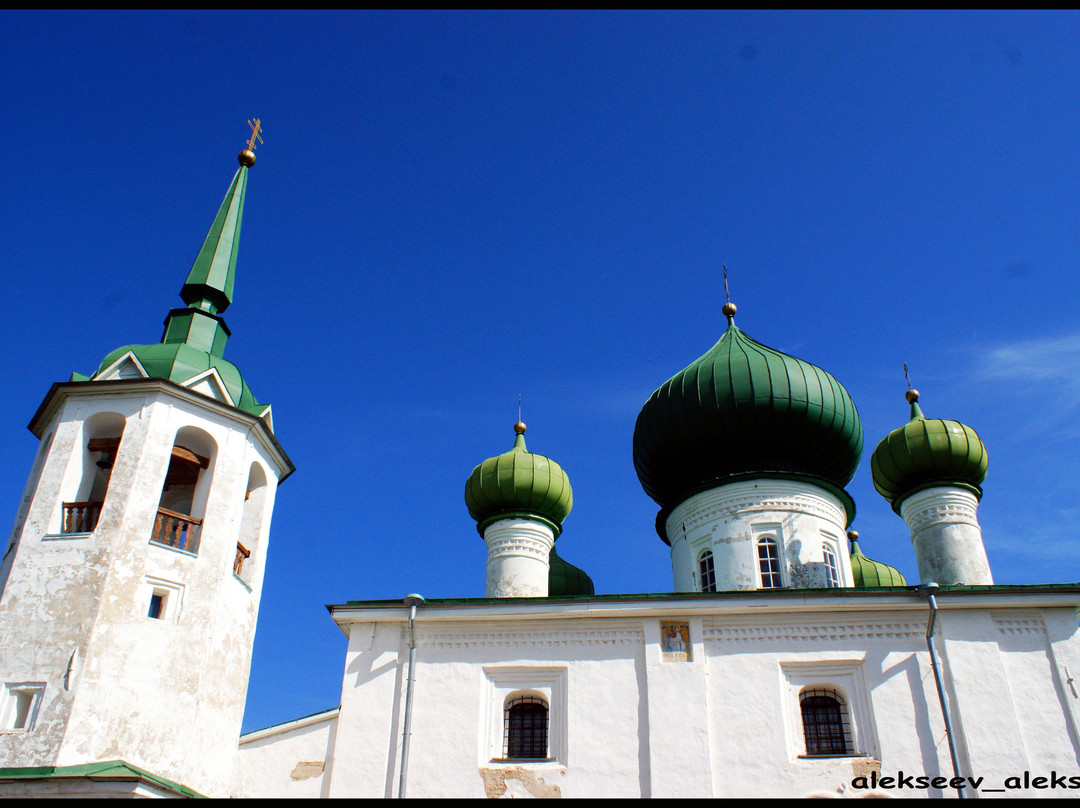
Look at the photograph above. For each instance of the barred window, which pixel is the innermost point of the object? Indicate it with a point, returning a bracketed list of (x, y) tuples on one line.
[(769, 563), (707, 571), (525, 729), (826, 723), (832, 569)]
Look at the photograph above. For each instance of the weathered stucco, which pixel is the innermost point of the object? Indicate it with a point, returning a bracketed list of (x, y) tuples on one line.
[(629, 720), (946, 535), (290, 760), (730, 519), (165, 694)]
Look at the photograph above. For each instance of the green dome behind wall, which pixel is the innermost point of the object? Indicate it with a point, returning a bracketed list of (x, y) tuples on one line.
[(865, 572), (566, 580)]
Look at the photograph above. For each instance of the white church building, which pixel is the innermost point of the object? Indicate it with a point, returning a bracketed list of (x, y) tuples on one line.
[(783, 663)]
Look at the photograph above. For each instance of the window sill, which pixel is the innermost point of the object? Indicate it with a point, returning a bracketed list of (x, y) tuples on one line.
[(243, 583), (525, 763), (836, 756), (57, 536), (173, 549)]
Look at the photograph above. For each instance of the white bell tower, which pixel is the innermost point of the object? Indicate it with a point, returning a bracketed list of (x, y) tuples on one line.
[(129, 590)]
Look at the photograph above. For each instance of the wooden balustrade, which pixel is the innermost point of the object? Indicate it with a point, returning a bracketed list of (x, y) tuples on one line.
[(241, 553), (177, 530), (80, 517)]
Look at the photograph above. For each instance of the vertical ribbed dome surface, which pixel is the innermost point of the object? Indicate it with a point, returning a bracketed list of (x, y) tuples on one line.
[(519, 482), (865, 572), (744, 408), (566, 580), (927, 451)]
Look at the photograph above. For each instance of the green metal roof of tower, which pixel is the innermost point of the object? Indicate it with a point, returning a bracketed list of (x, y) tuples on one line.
[(741, 410), (926, 452), (194, 338), (519, 483), (866, 572)]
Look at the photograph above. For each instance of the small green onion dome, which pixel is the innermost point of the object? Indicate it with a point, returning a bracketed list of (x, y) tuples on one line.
[(741, 409), (867, 572), (519, 483), (566, 580), (927, 452), (179, 362)]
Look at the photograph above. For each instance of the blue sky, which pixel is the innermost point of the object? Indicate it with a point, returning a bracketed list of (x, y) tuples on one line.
[(454, 208)]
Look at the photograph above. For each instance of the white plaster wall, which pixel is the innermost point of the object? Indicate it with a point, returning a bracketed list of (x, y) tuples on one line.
[(286, 762), (600, 666), (372, 691), (724, 724), (166, 696), (52, 594), (730, 519)]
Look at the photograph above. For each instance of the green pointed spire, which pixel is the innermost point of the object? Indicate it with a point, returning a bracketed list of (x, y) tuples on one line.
[(209, 285), (194, 338)]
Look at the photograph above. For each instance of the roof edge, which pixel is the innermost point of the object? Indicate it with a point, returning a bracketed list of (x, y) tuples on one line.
[(752, 601), (60, 391), (102, 770)]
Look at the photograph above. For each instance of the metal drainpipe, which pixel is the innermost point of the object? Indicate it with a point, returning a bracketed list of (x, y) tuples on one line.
[(927, 591), (412, 601)]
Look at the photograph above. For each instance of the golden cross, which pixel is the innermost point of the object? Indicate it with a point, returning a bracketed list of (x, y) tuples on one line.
[(256, 127), (906, 379)]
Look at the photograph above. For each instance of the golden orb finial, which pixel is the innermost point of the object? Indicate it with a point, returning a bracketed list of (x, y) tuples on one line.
[(519, 427), (729, 307), (246, 158), (853, 535), (912, 395)]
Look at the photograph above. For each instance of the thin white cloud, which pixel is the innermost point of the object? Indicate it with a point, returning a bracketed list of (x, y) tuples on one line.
[(1046, 369)]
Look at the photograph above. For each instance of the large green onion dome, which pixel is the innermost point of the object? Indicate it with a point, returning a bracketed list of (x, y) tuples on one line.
[(519, 483), (741, 410), (867, 572), (926, 452)]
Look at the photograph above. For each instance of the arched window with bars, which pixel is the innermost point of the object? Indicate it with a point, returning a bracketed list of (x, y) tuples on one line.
[(826, 722), (706, 571), (525, 728), (769, 563)]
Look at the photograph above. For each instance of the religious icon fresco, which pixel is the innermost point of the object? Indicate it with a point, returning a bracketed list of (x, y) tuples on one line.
[(675, 641)]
